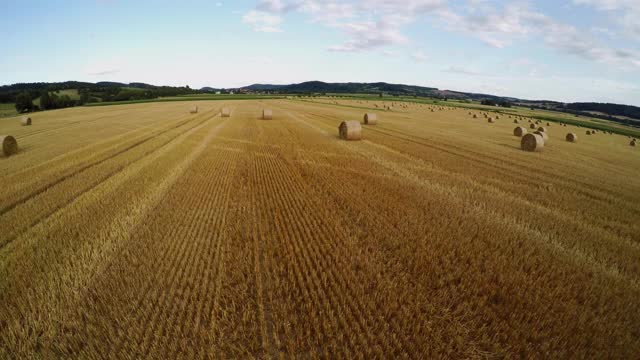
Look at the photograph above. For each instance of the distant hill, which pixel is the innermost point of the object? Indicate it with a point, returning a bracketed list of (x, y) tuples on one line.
[(115, 91), (371, 88), (619, 113), (322, 87)]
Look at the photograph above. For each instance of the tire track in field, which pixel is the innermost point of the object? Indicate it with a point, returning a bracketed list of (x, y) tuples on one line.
[(167, 269), (163, 267), (90, 151), (308, 224), (66, 126), (336, 247), (305, 278), (320, 254), (11, 235), (190, 270), (153, 322), (267, 210), (271, 345), (44, 188), (94, 255)]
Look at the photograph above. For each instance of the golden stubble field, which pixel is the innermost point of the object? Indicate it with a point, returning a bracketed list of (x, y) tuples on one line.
[(144, 231)]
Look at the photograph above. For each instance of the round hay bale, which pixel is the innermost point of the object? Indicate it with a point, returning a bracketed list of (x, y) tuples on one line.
[(571, 137), (519, 131), (350, 130), (542, 128), (632, 143), (267, 114), (532, 142), (491, 120), (588, 132), (194, 110), (25, 121), (9, 145), (544, 135), (497, 117), (475, 116), (532, 126), (225, 112), (548, 124), (370, 119), (515, 121)]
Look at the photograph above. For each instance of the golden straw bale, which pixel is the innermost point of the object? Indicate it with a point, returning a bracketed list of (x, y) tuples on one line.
[(519, 131), (532, 142), (9, 145), (350, 130), (370, 119)]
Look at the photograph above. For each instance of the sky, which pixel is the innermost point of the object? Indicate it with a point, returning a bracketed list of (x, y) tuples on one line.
[(573, 50)]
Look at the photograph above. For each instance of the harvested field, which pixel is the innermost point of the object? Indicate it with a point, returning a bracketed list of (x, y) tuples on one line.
[(144, 231)]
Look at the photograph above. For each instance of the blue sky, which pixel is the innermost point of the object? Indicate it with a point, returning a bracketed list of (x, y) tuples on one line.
[(575, 50)]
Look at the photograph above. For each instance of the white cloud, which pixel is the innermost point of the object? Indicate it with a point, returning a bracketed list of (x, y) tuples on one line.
[(374, 24), (516, 22), (278, 6), (419, 56), (463, 70), (625, 12), (104, 67), (262, 21), (365, 36), (608, 4)]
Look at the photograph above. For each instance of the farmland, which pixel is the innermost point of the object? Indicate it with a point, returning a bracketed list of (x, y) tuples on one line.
[(142, 230), (7, 110)]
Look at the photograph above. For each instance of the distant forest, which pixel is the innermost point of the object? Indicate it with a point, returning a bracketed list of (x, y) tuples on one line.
[(606, 108), (24, 94)]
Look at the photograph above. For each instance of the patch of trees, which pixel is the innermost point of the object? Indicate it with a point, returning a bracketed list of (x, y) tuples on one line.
[(491, 102), (89, 92), (24, 102), (50, 101), (608, 109)]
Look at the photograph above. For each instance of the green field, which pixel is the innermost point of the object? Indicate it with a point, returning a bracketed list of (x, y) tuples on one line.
[(7, 110), (197, 97)]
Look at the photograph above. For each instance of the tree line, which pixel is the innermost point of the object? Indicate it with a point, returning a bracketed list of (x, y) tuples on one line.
[(24, 95)]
